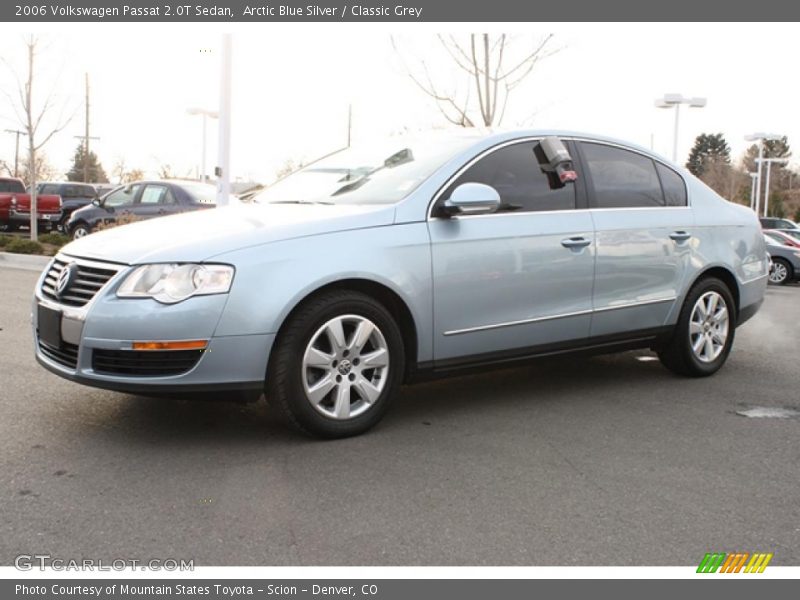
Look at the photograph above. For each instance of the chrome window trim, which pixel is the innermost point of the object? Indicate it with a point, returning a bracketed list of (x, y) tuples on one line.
[(559, 316), (457, 174)]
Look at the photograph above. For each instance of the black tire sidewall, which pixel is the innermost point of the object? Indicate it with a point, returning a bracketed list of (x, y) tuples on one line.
[(292, 347), (704, 286)]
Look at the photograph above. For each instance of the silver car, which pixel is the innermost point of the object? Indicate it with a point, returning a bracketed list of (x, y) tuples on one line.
[(377, 266)]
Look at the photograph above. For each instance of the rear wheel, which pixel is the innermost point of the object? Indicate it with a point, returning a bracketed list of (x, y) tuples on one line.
[(336, 365), (781, 271), (704, 334)]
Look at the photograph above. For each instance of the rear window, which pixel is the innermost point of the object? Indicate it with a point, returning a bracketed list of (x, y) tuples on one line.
[(674, 188), (10, 186)]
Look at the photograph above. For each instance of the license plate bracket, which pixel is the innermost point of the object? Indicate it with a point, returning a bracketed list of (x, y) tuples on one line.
[(48, 325)]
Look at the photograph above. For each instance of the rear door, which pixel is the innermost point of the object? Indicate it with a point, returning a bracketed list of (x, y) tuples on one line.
[(517, 279), (643, 228), (156, 200)]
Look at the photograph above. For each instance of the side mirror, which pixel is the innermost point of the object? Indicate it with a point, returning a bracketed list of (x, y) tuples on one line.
[(472, 199), (96, 201)]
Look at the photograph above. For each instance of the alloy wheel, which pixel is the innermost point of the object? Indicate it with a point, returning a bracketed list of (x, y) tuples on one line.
[(345, 367), (779, 273), (709, 326)]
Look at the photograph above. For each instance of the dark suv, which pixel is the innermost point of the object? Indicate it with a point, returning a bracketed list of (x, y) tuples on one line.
[(73, 196)]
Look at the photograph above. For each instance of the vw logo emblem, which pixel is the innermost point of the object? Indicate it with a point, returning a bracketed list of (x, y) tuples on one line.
[(64, 279)]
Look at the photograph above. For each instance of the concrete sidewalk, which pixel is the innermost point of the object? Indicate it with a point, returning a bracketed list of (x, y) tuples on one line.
[(27, 262)]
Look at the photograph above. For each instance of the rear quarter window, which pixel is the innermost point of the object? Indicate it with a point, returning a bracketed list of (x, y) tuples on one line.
[(674, 186)]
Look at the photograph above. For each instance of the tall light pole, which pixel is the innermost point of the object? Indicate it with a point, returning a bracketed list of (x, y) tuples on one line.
[(18, 133), (753, 176), (759, 138), (769, 162), (206, 114), (675, 100), (224, 149)]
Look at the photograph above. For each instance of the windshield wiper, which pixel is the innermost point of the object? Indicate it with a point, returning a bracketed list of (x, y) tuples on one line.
[(299, 202), (402, 157)]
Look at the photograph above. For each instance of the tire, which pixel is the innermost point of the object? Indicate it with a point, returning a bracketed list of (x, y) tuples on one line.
[(782, 272), (80, 230), (680, 355), (325, 389)]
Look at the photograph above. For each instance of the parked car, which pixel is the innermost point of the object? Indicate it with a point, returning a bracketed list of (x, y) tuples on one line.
[(142, 200), (793, 233), (781, 238), (404, 260), (15, 207), (775, 223), (73, 196), (785, 263)]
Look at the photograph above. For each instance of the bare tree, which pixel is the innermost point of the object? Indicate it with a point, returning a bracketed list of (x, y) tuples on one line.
[(492, 66), (118, 170), (31, 116), (44, 170)]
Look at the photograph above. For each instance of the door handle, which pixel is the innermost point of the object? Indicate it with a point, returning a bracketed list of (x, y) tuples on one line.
[(575, 242), (680, 236)]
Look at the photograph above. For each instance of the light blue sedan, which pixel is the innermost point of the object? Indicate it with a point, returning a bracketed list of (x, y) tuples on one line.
[(377, 266)]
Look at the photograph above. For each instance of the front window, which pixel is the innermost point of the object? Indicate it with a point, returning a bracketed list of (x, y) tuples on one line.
[(382, 173)]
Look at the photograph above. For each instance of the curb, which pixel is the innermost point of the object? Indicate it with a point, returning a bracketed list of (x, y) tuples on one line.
[(27, 262)]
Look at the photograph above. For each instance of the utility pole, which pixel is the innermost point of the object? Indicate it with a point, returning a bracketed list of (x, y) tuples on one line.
[(18, 133), (86, 137)]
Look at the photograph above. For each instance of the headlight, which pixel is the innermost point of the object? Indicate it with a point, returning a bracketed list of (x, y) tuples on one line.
[(171, 283)]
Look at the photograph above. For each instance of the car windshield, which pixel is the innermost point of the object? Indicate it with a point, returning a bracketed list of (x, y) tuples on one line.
[(382, 173), (203, 193)]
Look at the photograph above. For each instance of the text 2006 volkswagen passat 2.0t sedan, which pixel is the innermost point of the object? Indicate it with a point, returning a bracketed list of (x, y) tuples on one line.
[(377, 265)]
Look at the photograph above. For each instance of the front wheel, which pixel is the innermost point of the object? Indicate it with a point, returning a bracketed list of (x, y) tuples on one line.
[(704, 334), (336, 365), (781, 271), (80, 230)]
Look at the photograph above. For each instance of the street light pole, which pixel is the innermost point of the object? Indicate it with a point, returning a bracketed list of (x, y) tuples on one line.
[(206, 114), (675, 100), (753, 190), (224, 149), (759, 138), (769, 162)]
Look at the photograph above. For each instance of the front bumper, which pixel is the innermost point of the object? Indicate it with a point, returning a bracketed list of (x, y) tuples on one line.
[(108, 326)]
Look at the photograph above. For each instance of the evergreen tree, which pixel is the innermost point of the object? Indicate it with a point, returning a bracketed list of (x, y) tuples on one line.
[(94, 171), (709, 148)]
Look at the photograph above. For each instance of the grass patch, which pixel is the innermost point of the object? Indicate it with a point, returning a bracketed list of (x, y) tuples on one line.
[(23, 246), (54, 239), (4, 239)]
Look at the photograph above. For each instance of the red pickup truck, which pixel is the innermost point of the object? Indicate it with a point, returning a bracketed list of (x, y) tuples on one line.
[(15, 206)]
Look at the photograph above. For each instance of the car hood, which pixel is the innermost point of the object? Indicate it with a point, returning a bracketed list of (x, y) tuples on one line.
[(201, 235)]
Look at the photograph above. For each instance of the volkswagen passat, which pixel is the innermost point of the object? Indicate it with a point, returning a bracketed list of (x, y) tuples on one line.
[(375, 266)]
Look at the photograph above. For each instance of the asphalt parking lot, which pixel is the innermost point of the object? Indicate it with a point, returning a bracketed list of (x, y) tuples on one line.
[(602, 461)]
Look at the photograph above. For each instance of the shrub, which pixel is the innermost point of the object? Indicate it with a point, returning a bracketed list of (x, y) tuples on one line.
[(55, 239), (121, 220), (23, 246), (4, 239)]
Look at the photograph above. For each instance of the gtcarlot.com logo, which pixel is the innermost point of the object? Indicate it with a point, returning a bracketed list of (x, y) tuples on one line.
[(735, 562)]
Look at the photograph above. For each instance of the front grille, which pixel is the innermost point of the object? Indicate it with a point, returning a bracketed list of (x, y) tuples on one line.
[(136, 363), (86, 282), (65, 355)]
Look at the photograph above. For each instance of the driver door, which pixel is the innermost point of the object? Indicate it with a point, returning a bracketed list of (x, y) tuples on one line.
[(516, 281)]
